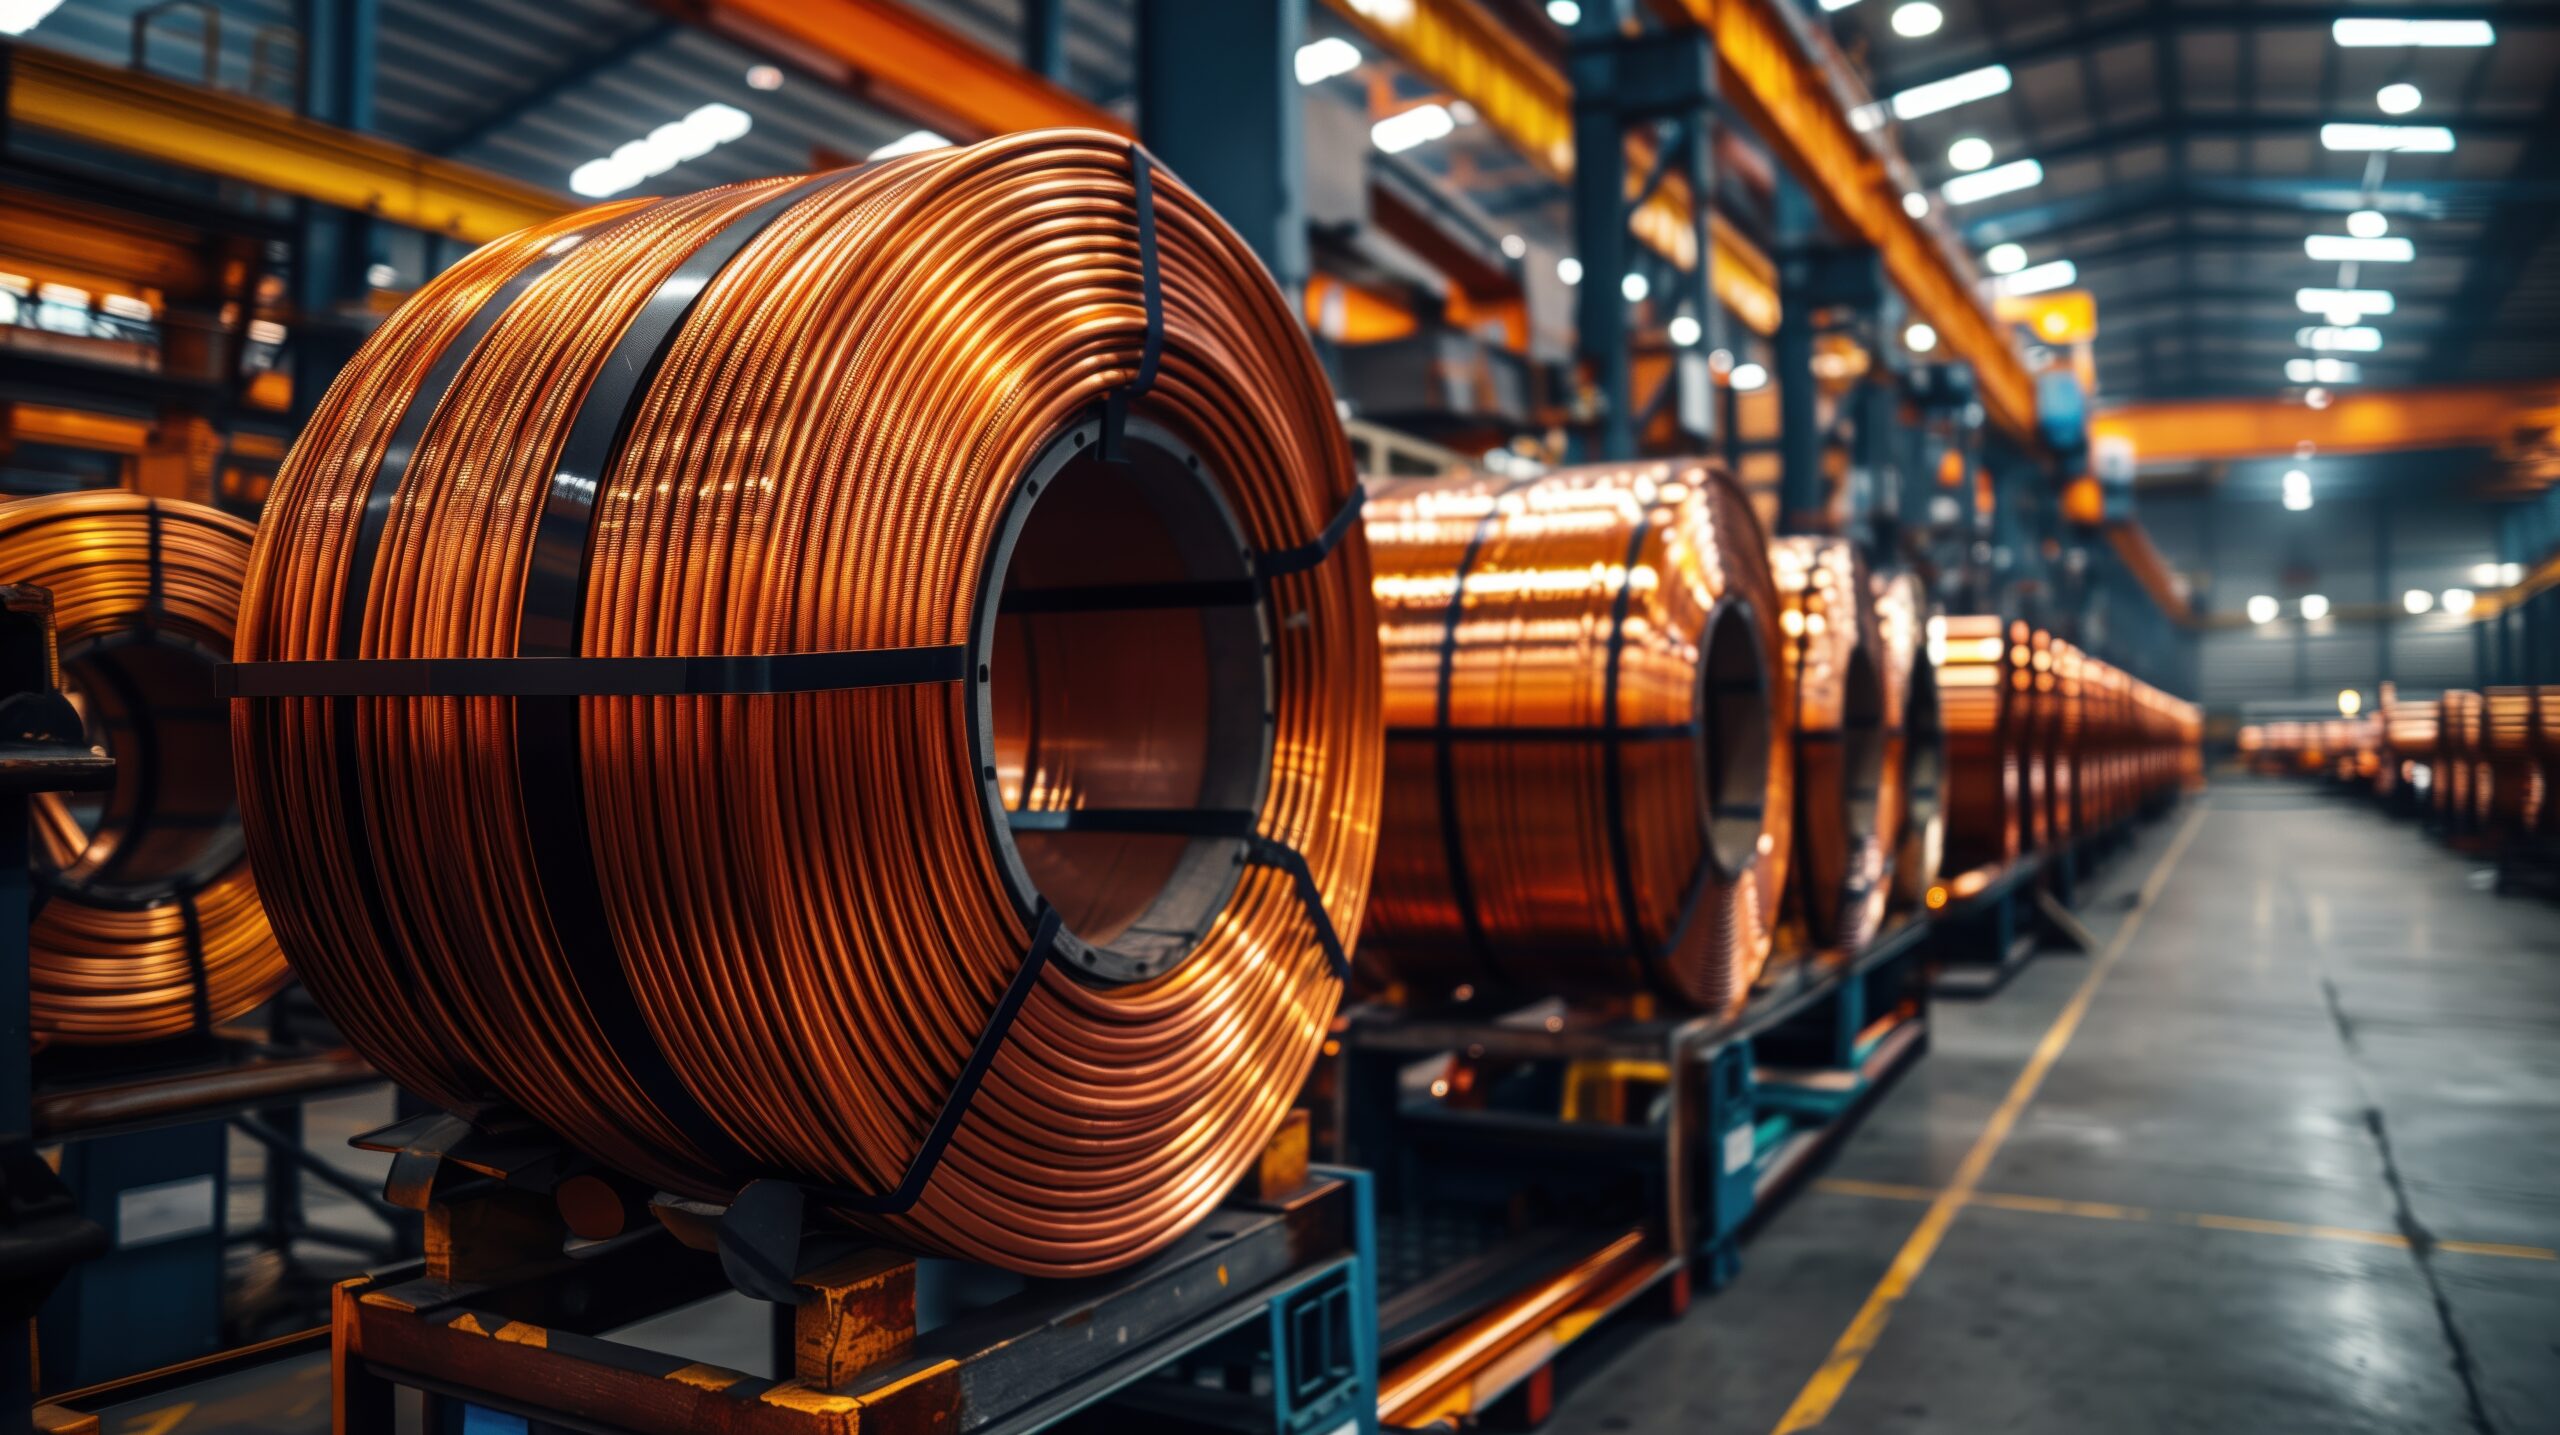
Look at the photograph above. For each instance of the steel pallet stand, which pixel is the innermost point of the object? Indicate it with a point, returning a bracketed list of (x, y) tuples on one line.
[(1257, 1320), (1569, 1164)]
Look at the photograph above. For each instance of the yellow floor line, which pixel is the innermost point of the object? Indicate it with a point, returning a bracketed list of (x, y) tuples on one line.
[(2108, 1211), (1814, 1403)]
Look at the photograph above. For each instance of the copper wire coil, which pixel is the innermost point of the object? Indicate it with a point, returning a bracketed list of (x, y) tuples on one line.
[(1912, 809), (148, 924), (1846, 750), (2510, 799), (866, 428), (1588, 786), (2458, 716), (1984, 722), (2059, 682)]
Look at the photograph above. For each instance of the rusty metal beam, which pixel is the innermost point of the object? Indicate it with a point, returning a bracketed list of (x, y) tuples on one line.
[(242, 139), (1458, 46)]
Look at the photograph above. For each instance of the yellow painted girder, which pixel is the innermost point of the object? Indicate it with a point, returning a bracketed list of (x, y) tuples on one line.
[(242, 139)]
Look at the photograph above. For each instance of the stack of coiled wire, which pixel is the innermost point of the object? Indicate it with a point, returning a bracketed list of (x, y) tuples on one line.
[(147, 920), (1589, 788), (1019, 473)]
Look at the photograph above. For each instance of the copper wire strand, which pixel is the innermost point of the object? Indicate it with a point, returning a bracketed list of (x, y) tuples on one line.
[(1517, 590), (803, 889), (146, 593)]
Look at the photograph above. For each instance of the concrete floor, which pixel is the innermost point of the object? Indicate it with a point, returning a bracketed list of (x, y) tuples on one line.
[(2297, 1169)]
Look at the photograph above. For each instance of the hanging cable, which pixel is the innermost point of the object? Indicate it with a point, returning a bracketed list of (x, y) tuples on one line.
[(1588, 782), (995, 892), (147, 924)]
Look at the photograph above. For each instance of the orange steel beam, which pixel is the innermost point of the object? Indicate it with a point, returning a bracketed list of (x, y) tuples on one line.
[(1456, 45), (1788, 96), (2224, 430), (890, 53)]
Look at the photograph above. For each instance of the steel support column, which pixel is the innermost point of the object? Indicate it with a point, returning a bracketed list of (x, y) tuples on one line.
[(1622, 83), (335, 247), (1218, 102), (1044, 39), (1800, 495)]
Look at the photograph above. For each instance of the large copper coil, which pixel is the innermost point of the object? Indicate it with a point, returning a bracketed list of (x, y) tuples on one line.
[(1985, 721), (2102, 779), (1588, 781), (2511, 778), (1846, 752), (1912, 809), (2457, 785), (2408, 741), (714, 936), (147, 921)]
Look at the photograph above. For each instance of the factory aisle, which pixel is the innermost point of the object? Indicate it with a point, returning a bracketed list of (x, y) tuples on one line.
[(2296, 1169)]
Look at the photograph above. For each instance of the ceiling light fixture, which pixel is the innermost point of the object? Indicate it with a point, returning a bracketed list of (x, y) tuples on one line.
[(1747, 377), (2001, 179), (1634, 288), (17, 17), (2418, 600), (1950, 92), (1321, 60), (1970, 153), (2363, 33), (2321, 371), (764, 77), (2297, 488), (662, 149), (2350, 339), (1564, 12), (1915, 204), (2315, 606), (2346, 249), (2263, 609), (1569, 269), (1917, 20), (1920, 338), (1417, 126), (2005, 258), (2334, 302), (2398, 99), (1685, 331), (2396, 139), (2042, 278), (2368, 224), (2458, 601)]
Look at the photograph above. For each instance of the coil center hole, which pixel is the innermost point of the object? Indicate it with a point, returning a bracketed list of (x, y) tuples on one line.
[(1126, 675), (170, 821), (1733, 678)]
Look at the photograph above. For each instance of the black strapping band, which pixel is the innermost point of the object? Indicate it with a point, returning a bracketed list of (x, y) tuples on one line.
[(1311, 555), (1115, 405)]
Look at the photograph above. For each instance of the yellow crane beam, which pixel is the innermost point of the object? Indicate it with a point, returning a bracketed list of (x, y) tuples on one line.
[(2492, 416), (1456, 45), (256, 143)]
